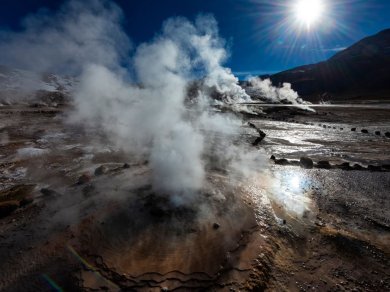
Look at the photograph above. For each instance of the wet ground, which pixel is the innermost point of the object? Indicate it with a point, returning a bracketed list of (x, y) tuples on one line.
[(78, 217)]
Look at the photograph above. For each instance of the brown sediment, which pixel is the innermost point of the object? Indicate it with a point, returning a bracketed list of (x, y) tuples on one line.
[(136, 240)]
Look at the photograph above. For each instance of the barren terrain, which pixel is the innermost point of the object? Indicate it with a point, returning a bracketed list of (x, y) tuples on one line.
[(75, 217)]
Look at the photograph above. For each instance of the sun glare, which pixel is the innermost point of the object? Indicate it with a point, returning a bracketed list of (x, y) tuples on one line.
[(308, 12)]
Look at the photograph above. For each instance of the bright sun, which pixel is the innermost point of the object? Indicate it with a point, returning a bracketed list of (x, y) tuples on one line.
[(308, 12)]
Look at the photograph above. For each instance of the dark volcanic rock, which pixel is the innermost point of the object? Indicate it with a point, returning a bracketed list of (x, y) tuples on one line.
[(344, 166), (306, 162), (387, 134), (294, 162), (262, 135), (26, 201), (282, 161), (6, 208), (365, 131), (357, 167), (17, 193), (323, 164), (101, 170), (49, 193), (378, 133), (353, 129), (83, 179), (374, 168)]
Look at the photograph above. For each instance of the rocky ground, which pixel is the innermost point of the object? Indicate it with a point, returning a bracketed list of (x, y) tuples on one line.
[(316, 218)]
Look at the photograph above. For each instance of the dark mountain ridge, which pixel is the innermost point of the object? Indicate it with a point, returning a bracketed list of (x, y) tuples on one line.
[(361, 71)]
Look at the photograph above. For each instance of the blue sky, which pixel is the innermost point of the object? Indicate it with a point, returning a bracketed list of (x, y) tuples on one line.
[(260, 34)]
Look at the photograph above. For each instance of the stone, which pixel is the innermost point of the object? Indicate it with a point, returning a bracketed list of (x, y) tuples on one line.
[(323, 164), (386, 166), (378, 133), (282, 161), (387, 134), (26, 201), (357, 167), (294, 162), (49, 193), (88, 190), (262, 135), (216, 225), (374, 168), (6, 208), (83, 179), (364, 131), (306, 162), (102, 169), (345, 166), (353, 129)]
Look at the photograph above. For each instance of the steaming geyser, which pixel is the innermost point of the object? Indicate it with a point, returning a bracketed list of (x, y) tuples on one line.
[(152, 120)]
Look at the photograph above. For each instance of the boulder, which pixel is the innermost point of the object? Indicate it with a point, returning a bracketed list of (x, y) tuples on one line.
[(364, 131), (353, 129), (7, 207), (294, 162), (323, 164), (49, 193), (282, 161), (262, 135), (306, 162), (83, 179), (374, 168), (357, 167), (102, 169), (378, 133), (386, 166), (344, 166), (387, 134), (26, 201)]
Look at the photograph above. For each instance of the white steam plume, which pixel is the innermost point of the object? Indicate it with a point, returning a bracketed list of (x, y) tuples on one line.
[(147, 114), (264, 89), (80, 32), (152, 119)]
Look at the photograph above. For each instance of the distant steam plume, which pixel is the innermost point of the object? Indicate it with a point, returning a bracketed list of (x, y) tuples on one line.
[(264, 90)]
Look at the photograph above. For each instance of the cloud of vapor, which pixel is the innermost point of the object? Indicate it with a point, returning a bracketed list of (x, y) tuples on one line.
[(80, 32), (147, 113), (263, 89)]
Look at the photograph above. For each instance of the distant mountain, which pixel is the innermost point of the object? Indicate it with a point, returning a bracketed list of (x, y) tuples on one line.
[(361, 71), (18, 85)]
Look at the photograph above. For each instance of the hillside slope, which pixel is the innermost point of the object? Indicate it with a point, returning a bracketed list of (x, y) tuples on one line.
[(358, 72)]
